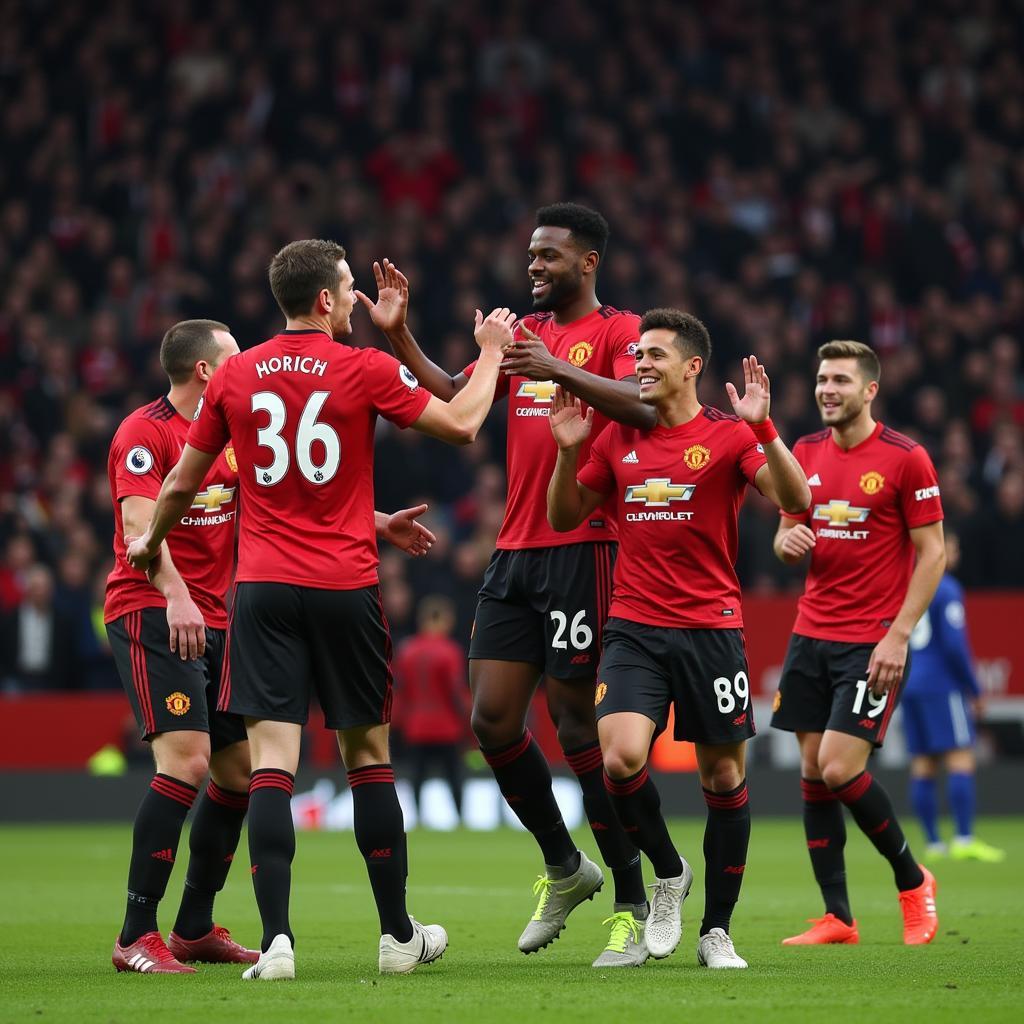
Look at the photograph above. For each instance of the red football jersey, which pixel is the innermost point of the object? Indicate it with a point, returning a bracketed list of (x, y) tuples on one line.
[(603, 343), (677, 495), (300, 410), (432, 704), (864, 503), (144, 450)]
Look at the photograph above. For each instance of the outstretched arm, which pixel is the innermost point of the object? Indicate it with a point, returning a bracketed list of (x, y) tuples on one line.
[(388, 314), (402, 530), (617, 399)]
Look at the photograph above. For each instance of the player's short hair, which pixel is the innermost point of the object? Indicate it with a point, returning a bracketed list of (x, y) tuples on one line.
[(185, 344), (867, 360), (691, 336), (435, 608), (301, 270), (588, 228)]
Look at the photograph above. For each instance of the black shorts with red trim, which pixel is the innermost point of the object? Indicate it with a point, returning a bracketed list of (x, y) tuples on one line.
[(287, 644), (701, 673), (824, 686), (166, 693), (546, 606)]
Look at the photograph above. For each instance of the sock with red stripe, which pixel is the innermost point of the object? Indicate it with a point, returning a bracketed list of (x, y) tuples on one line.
[(638, 807), (272, 849), (524, 778), (216, 826), (726, 838), (380, 836), (872, 810), (155, 836), (825, 829), (617, 850)]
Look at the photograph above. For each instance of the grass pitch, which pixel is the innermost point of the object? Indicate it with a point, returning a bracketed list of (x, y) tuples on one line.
[(61, 899)]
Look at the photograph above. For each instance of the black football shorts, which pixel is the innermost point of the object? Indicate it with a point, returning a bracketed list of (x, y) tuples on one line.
[(824, 686), (288, 643), (546, 606), (701, 672), (166, 693)]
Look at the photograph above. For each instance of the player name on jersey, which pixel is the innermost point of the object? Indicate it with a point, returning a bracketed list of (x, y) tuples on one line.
[(290, 364)]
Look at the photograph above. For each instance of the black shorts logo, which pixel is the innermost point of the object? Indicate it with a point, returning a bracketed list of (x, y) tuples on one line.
[(599, 693), (178, 703)]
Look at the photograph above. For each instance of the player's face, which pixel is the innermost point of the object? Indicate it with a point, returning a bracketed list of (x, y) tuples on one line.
[(556, 268), (841, 391), (344, 298), (661, 369)]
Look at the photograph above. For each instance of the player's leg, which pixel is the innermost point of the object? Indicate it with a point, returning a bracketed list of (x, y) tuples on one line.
[(723, 777), (274, 749), (450, 755), (419, 757), (842, 761), (802, 706), (167, 698), (960, 794), (924, 800)]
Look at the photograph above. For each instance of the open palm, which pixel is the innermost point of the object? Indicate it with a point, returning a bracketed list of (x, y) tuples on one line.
[(569, 424), (389, 311), (756, 401)]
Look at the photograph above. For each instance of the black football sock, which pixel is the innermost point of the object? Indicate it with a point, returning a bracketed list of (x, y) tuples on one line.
[(872, 810), (726, 838), (825, 829), (380, 836), (638, 807), (155, 836), (524, 778), (216, 826), (617, 850), (272, 849)]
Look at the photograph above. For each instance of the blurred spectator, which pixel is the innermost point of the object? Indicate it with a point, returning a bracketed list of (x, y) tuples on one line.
[(431, 707), (38, 639)]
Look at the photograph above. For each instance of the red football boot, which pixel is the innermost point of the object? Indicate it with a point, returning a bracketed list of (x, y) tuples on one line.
[(826, 930), (147, 955), (216, 947), (920, 919)]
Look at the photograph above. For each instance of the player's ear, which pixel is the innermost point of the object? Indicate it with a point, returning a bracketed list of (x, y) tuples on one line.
[(590, 262), (871, 391), (696, 365), (203, 370)]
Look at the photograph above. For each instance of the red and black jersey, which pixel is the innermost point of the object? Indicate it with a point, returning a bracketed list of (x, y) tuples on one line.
[(677, 495), (430, 684), (145, 448), (300, 410), (865, 501), (604, 343)]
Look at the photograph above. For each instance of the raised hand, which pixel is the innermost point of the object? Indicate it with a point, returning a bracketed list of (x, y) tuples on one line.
[(529, 357), (569, 425), (756, 401), (406, 534), (494, 332), (389, 311)]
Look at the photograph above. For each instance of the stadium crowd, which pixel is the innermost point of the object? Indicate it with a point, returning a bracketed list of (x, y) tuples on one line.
[(789, 172)]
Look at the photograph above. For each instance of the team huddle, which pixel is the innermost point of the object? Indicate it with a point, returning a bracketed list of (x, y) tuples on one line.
[(613, 580)]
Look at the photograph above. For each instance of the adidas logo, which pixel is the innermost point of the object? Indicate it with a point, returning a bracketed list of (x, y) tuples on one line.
[(165, 855), (814, 481), (630, 459)]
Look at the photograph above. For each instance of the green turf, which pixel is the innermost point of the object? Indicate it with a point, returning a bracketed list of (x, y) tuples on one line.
[(61, 892)]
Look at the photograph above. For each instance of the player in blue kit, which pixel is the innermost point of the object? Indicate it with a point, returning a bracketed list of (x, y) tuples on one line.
[(940, 705)]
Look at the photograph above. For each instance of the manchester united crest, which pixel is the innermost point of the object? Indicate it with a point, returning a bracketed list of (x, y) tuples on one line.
[(580, 353), (696, 456), (872, 482), (777, 702), (178, 703), (229, 454), (602, 689)]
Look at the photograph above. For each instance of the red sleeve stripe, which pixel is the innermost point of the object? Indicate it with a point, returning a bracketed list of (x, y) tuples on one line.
[(726, 801), (140, 674), (174, 789), (501, 758), (271, 778), (227, 797), (855, 788), (587, 760), (814, 791), (626, 787)]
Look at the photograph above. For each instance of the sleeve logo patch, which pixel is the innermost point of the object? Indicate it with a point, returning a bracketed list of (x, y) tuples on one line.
[(199, 409), (139, 460), (408, 377), (580, 353), (924, 493)]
